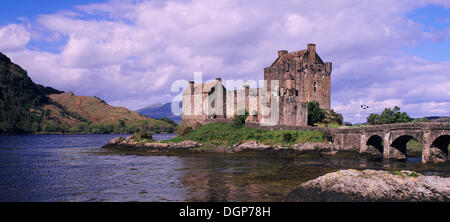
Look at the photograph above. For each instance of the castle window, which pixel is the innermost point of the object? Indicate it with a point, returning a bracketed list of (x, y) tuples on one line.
[(212, 90), (315, 86)]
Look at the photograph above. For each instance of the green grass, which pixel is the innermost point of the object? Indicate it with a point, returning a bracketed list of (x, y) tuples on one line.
[(414, 146), (226, 134), (332, 125)]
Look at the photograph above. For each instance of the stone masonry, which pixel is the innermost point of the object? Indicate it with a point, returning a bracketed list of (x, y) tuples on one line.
[(299, 77)]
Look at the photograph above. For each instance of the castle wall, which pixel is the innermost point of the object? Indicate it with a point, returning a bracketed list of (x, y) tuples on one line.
[(199, 107), (302, 77), (314, 85)]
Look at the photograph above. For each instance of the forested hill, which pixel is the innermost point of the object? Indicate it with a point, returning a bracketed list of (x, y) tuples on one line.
[(19, 95), (26, 107)]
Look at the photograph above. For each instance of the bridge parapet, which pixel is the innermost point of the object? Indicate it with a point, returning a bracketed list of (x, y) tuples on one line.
[(418, 125), (390, 140)]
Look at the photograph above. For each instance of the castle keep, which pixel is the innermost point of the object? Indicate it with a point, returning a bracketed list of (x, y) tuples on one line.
[(292, 80)]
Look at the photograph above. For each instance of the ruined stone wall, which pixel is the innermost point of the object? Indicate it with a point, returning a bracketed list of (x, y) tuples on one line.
[(293, 113), (198, 107)]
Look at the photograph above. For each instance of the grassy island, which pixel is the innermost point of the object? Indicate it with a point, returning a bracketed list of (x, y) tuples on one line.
[(229, 135)]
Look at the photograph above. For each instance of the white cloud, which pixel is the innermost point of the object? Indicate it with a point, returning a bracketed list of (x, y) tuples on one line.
[(129, 52), (13, 37)]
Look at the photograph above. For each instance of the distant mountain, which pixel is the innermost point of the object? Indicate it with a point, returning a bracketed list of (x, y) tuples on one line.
[(441, 119), (26, 107), (154, 106), (159, 111)]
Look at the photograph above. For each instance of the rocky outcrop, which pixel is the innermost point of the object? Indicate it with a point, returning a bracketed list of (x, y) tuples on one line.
[(372, 185), (325, 148), (436, 155), (251, 146), (130, 144), (373, 151)]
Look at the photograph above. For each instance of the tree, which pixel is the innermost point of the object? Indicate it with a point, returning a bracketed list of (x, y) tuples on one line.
[(315, 113), (121, 124), (389, 116)]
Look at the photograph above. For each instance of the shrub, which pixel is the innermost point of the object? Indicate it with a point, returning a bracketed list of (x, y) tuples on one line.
[(142, 136), (239, 120), (315, 113), (169, 121), (146, 135), (287, 137), (183, 129)]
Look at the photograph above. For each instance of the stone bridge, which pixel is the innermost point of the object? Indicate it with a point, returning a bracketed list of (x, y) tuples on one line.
[(389, 141)]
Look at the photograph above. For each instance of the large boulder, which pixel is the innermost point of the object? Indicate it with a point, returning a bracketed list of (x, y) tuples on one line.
[(372, 185)]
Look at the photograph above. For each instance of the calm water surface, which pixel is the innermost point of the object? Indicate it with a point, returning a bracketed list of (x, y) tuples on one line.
[(75, 168)]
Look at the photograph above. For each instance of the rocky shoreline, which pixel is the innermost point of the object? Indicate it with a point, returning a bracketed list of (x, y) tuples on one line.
[(373, 185), (130, 144)]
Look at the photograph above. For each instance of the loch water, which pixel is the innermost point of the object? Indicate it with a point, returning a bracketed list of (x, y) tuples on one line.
[(42, 168)]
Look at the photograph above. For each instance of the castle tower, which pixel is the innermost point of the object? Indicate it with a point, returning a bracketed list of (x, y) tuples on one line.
[(312, 77)]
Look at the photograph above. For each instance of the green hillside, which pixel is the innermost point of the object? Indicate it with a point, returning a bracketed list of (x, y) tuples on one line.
[(26, 107)]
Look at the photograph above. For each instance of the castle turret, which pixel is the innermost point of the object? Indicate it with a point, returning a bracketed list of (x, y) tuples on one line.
[(328, 67), (312, 53), (191, 86)]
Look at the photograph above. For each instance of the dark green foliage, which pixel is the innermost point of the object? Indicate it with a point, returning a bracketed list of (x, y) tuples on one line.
[(121, 123), (315, 113), (146, 135), (389, 116), (141, 136), (48, 90), (239, 120), (182, 130), (287, 137), (18, 96), (169, 121), (421, 120)]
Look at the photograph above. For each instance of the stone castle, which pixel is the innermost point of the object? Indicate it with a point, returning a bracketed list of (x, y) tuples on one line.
[(293, 80)]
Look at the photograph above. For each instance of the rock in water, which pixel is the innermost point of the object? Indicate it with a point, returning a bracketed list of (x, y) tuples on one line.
[(372, 185)]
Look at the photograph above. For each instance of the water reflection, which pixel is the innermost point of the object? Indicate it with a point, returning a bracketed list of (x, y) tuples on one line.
[(74, 168)]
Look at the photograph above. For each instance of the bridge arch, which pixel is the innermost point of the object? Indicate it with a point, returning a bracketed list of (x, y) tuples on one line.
[(376, 142), (398, 146), (442, 143)]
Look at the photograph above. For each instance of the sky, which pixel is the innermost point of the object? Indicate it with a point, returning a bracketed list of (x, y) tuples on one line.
[(129, 52)]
